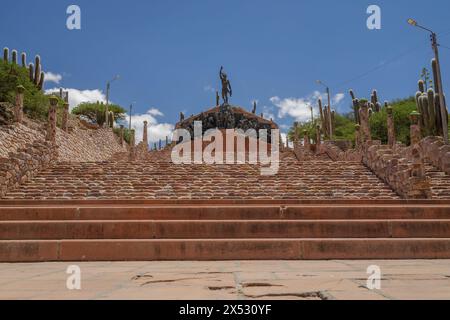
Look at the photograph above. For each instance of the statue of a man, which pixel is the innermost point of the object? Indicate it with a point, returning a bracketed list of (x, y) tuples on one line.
[(226, 86)]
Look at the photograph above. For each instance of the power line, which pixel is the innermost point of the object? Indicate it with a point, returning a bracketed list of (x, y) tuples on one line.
[(380, 66)]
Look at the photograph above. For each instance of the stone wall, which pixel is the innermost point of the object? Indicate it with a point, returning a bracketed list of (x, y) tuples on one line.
[(435, 151), (337, 154), (400, 167), (17, 136), (24, 163), (24, 150), (87, 145)]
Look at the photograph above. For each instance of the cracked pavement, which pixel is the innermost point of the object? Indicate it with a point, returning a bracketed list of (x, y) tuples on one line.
[(228, 280)]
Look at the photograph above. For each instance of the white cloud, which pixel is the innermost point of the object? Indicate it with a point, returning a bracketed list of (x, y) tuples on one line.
[(300, 108), (283, 139), (209, 88), (338, 98), (156, 130), (268, 113), (78, 96), (155, 112), (52, 77)]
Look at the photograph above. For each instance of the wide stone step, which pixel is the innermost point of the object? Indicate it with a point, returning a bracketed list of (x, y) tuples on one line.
[(56, 230), (223, 249), (362, 211)]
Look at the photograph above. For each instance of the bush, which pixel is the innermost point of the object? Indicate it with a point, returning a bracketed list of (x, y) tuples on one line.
[(126, 134), (95, 112), (401, 111), (35, 101)]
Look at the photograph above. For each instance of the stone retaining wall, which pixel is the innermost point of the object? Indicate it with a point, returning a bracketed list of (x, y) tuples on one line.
[(401, 168), (337, 154), (436, 152), (23, 164)]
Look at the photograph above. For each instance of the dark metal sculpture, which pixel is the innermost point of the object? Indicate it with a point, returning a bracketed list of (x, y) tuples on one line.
[(226, 86)]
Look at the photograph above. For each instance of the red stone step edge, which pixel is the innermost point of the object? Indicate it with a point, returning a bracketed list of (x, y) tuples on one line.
[(229, 212), (56, 230), (223, 249)]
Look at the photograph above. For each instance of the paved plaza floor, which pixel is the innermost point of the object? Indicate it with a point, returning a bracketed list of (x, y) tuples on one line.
[(240, 280)]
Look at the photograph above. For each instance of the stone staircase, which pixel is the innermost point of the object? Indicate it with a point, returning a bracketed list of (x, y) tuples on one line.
[(32, 231), (161, 179), (440, 182)]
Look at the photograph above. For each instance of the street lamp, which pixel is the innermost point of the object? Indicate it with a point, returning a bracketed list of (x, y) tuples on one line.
[(439, 86), (329, 106), (108, 87)]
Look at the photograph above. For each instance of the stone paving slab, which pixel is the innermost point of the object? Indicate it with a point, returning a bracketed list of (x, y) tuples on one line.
[(228, 280)]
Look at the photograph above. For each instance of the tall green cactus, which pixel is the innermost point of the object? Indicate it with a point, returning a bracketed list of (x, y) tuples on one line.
[(421, 86), (6, 54), (14, 57), (37, 70), (376, 106), (24, 59), (41, 81), (432, 125), (31, 72), (356, 106), (435, 78)]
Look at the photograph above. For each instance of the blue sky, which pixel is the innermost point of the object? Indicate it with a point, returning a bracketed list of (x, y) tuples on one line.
[(168, 53)]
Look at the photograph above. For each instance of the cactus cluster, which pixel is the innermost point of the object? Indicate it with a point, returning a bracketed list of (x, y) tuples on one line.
[(100, 115), (373, 105), (429, 107), (36, 74), (327, 118)]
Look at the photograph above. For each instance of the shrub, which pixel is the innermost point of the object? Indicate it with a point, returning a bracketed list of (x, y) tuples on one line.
[(35, 101)]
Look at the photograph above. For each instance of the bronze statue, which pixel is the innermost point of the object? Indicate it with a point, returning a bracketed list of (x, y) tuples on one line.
[(226, 86), (254, 107), (217, 98)]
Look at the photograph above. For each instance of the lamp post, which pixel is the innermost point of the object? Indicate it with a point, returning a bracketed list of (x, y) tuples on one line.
[(439, 86), (108, 87), (329, 106)]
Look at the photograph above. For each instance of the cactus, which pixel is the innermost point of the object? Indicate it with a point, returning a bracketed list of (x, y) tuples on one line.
[(324, 118), (31, 71), (41, 81), (14, 57), (421, 86), (424, 111), (37, 70), (6, 54), (431, 112), (435, 79), (356, 108), (374, 100), (437, 101), (111, 119), (352, 94), (24, 59), (100, 117)]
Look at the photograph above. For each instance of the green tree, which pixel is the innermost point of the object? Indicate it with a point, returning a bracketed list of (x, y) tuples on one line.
[(95, 112)]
